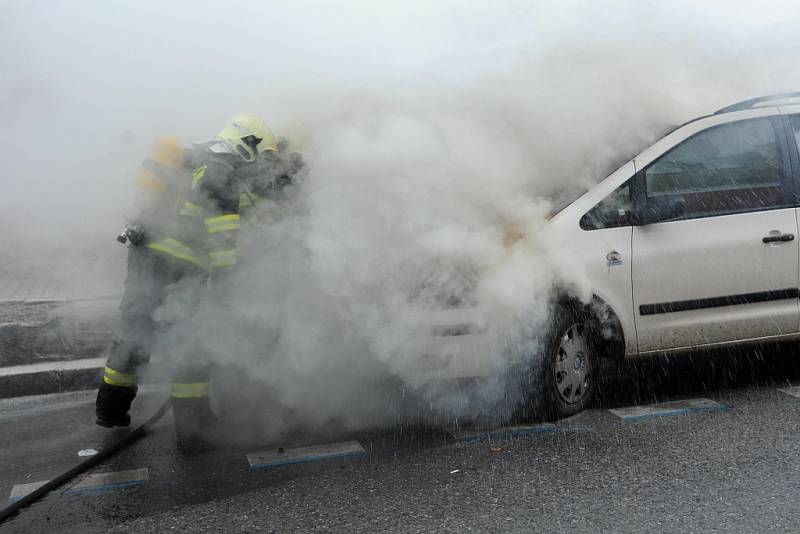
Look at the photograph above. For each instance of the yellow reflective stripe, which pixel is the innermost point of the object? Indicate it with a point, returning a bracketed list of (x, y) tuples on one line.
[(113, 382), (119, 377), (230, 217), (220, 218), (191, 210), (175, 248), (198, 174), (192, 390), (223, 228), (224, 258), (222, 223)]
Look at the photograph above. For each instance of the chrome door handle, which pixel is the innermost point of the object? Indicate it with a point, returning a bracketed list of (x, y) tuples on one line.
[(777, 238)]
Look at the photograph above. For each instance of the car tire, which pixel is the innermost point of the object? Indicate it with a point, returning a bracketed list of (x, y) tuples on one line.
[(562, 375)]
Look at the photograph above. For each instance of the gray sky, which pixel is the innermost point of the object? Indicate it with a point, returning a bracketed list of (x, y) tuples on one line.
[(87, 85)]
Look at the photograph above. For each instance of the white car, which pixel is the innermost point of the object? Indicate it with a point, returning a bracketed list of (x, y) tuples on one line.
[(690, 245)]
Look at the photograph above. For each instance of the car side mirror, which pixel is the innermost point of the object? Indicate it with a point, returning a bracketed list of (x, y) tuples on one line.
[(660, 210)]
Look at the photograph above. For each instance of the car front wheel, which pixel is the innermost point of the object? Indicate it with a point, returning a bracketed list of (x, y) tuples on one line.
[(562, 376)]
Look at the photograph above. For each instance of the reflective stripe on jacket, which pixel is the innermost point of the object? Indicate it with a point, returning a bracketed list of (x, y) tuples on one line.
[(180, 251), (207, 222)]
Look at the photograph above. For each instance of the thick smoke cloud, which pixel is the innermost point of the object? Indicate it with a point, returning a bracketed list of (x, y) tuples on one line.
[(441, 136)]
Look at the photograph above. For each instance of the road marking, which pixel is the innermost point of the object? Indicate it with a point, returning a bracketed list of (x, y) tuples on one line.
[(665, 409), (473, 434), (315, 453), (95, 482), (794, 391)]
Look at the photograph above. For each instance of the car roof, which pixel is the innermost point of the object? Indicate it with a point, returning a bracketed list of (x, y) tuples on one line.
[(760, 101)]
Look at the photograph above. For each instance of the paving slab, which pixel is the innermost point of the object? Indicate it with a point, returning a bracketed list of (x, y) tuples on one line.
[(315, 453), (93, 482), (794, 391), (666, 409)]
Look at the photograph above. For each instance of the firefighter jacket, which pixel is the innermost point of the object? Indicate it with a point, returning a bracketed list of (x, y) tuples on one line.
[(204, 225)]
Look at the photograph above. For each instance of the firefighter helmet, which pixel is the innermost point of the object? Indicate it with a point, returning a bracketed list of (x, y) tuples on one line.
[(248, 137)]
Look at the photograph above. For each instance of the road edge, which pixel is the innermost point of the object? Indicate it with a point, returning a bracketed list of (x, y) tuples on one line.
[(50, 377)]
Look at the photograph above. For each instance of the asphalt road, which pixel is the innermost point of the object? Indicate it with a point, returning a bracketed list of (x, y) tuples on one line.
[(732, 468)]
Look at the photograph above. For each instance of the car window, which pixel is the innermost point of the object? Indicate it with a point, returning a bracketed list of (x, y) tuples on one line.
[(731, 168), (611, 212)]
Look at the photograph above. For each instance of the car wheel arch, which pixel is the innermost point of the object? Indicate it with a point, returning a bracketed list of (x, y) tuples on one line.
[(603, 320)]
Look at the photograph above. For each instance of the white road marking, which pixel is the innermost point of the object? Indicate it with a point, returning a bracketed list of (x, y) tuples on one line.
[(665, 409), (89, 483), (794, 391), (275, 458)]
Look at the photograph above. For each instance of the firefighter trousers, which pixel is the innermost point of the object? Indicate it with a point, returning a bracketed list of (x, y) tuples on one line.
[(161, 297)]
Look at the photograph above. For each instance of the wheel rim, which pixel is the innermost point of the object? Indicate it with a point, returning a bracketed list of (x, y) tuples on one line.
[(572, 370)]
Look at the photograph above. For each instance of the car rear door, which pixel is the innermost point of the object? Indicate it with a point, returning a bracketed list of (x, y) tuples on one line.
[(726, 268)]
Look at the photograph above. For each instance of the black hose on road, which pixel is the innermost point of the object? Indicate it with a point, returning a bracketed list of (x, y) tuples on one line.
[(84, 466)]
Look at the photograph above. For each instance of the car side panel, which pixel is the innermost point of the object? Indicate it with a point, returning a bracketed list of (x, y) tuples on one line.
[(702, 262), (719, 266), (584, 255), (609, 280)]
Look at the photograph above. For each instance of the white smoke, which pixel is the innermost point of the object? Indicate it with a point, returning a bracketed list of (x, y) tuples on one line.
[(440, 133)]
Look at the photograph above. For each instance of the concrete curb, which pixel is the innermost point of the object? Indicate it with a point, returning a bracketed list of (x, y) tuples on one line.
[(54, 330), (45, 378), (50, 377)]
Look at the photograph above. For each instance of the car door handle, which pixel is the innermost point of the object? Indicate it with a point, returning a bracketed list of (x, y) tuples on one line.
[(777, 238), (613, 258)]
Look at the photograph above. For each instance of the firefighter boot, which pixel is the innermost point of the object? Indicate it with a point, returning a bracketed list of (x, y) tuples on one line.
[(195, 425), (113, 403)]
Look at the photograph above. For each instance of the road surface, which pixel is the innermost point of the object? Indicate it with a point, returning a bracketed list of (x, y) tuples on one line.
[(723, 458)]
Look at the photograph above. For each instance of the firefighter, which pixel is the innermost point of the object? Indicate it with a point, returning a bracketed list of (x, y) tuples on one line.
[(186, 238)]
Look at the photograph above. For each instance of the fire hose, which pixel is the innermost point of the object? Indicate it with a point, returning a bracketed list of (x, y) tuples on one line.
[(100, 457)]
